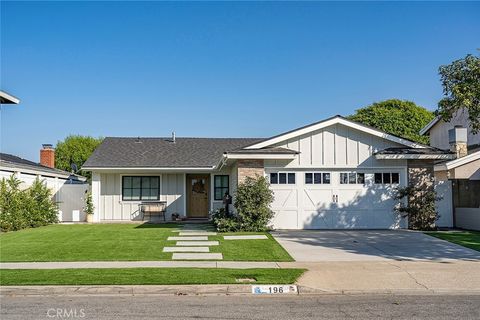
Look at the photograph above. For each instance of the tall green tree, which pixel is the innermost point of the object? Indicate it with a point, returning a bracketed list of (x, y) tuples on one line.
[(461, 88), (398, 117), (75, 149)]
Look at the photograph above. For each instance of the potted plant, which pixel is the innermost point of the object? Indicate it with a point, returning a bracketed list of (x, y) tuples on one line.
[(89, 207)]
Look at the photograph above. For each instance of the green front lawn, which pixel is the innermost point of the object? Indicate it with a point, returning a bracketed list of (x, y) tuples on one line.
[(469, 239), (142, 276), (120, 242)]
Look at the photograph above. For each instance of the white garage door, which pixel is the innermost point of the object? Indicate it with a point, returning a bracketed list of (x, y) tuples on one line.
[(336, 199)]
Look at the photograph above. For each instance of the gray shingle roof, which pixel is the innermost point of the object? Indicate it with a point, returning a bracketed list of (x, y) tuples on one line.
[(17, 163), (162, 152)]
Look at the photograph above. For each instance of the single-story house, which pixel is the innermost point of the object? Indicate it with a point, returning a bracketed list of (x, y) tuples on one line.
[(458, 180), (332, 174), (68, 189)]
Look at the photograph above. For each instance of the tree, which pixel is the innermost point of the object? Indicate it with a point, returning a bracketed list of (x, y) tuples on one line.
[(398, 117), (461, 88), (75, 149)]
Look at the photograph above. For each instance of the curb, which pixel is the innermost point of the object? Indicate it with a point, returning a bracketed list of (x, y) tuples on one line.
[(195, 290)]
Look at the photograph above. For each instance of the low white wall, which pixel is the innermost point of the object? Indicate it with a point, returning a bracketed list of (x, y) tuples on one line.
[(467, 218)]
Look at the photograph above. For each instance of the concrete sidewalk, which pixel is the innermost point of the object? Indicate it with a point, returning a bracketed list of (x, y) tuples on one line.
[(139, 264), (391, 276)]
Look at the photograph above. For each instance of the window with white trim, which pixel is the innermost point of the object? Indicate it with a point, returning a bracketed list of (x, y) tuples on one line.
[(387, 178), (282, 178), (352, 178), (317, 177)]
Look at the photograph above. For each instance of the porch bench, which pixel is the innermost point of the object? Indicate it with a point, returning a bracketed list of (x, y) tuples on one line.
[(153, 208)]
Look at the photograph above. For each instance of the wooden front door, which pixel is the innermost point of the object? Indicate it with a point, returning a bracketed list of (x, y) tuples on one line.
[(197, 195)]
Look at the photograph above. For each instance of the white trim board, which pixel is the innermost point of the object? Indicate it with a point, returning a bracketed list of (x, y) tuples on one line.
[(429, 126), (9, 97), (458, 162), (330, 122)]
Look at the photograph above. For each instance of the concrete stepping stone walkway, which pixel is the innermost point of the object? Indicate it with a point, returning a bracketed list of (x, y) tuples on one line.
[(203, 238), (246, 237), (197, 243), (197, 256), (192, 244), (186, 249)]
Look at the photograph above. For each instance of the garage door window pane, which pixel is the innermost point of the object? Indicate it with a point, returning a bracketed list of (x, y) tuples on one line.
[(274, 178), (326, 178), (352, 178), (361, 178), (395, 178), (386, 178), (308, 178), (282, 178), (317, 178), (378, 178), (291, 178), (343, 178)]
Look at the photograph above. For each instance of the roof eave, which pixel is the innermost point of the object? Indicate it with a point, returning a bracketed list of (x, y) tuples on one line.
[(93, 168), (6, 98), (415, 156), (429, 126), (458, 162), (275, 156)]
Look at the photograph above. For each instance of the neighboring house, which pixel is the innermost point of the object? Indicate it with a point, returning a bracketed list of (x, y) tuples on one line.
[(458, 180), (438, 130), (68, 189), (333, 174)]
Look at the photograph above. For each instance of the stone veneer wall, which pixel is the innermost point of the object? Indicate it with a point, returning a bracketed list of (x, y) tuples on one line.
[(250, 168), (421, 174)]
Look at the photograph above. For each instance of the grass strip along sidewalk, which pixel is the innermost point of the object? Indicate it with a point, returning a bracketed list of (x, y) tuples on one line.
[(469, 239), (146, 276)]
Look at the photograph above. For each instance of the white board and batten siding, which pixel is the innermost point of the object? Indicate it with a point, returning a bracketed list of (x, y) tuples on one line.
[(112, 207), (336, 149)]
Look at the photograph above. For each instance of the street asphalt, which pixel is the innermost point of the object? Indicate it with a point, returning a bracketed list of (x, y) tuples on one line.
[(242, 307)]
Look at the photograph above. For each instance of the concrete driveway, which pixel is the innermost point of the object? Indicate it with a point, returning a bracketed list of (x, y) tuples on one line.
[(369, 245)]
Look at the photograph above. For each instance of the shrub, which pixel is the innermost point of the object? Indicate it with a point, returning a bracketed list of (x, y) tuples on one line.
[(252, 201), (89, 208), (29, 208), (224, 222), (420, 208)]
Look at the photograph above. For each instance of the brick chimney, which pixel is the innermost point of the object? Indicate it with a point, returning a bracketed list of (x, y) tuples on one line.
[(47, 156), (457, 137)]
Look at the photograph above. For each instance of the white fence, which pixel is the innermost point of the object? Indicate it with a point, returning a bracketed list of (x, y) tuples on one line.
[(71, 200)]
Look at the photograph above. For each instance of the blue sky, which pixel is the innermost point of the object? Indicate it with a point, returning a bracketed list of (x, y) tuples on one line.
[(216, 69)]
